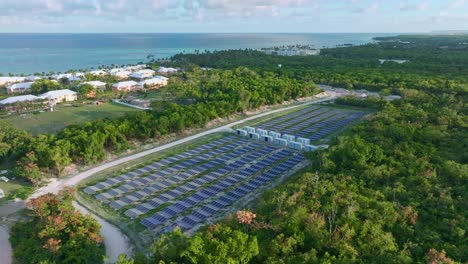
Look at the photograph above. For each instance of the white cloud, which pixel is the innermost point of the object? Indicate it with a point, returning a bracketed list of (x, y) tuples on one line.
[(456, 4), (405, 6), (372, 8)]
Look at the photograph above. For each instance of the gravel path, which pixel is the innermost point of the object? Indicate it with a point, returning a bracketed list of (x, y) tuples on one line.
[(5, 247), (117, 243)]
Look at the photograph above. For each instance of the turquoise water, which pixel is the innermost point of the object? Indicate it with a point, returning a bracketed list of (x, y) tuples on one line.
[(30, 53)]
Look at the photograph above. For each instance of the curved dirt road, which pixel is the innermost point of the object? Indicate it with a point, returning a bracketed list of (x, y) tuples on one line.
[(116, 242)]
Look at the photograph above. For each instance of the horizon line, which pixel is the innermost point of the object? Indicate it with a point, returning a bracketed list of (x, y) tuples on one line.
[(428, 32)]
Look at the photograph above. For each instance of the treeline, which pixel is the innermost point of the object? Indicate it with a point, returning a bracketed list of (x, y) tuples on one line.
[(371, 102), (358, 67), (212, 94), (56, 233), (391, 190)]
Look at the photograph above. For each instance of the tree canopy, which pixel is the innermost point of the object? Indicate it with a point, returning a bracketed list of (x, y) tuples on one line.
[(56, 233)]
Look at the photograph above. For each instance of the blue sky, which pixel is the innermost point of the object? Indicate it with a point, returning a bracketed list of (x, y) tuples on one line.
[(232, 15)]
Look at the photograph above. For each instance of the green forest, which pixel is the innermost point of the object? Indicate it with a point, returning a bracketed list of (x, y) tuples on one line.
[(391, 189), (56, 233), (437, 67)]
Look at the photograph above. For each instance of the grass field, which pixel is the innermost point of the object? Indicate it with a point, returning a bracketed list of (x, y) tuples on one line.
[(21, 189), (51, 122)]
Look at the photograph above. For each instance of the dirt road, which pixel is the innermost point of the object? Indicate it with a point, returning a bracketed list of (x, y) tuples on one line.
[(116, 242)]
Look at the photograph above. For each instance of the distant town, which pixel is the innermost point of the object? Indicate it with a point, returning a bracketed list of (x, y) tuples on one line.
[(292, 50)]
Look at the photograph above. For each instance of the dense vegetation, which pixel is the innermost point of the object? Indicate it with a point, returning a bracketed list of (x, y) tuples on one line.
[(208, 95), (56, 233), (219, 244), (391, 190), (430, 67)]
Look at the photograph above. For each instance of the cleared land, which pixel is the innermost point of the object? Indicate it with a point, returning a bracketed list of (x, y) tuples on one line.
[(51, 122), (190, 188), (194, 186), (9, 188)]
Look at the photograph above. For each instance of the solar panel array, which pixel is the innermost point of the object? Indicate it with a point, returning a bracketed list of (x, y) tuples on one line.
[(205, 179), (188, 188), (313, 122)]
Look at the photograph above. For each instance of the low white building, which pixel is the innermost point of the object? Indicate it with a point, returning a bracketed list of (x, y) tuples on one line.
[(33, 78), (116, 70), (135, 67), (19, 99), (126, 86), (164, 70), (97, 84), (98, 73), (142, 74), (19, 87), (121, 74), (58, 96), (158, 81), (71, 77), (382, 61), (9, 80)]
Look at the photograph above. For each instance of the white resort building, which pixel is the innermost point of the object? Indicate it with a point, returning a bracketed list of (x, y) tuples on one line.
[(71, 77), (142, 74), (19, 87), (98, 73), (125, 86), (9, 80), (164, 70), (121, 74), (33, 78), (19, 99), (158, 81), (135, 67), (59, 96), (97, 84)]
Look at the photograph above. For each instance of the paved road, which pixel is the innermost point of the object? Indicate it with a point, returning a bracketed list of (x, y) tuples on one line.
[(5, 248), (57, 185)]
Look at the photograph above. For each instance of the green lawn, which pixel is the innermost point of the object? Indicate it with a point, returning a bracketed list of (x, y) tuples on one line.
[(51, 122), (13, 187)]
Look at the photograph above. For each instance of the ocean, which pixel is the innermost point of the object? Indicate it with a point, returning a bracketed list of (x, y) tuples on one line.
[(31, 53)]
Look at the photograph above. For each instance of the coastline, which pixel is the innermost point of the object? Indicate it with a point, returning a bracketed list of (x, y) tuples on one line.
[(27, 54)]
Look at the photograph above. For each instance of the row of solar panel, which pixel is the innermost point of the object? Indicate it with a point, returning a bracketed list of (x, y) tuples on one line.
[(303, 118), (127, 177), (335, 126), (308, 130), (202, 196), (302, 126), (222, 201), (152, 183), (189, 185), (330, 115), (220, 173), (297, 114)]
